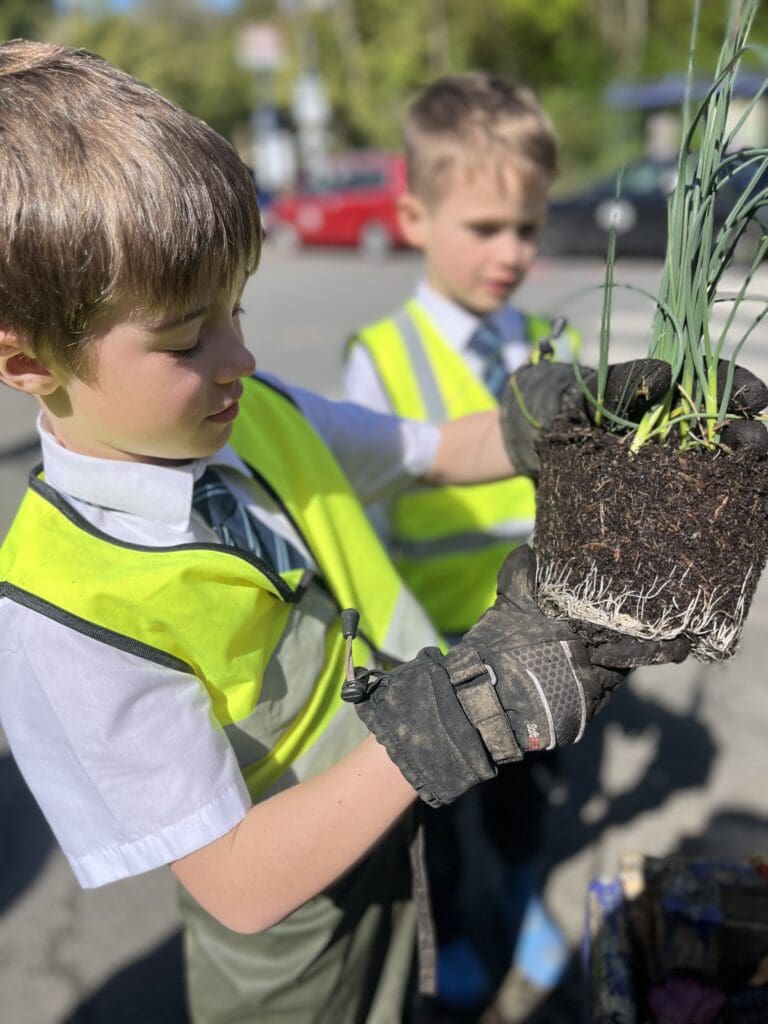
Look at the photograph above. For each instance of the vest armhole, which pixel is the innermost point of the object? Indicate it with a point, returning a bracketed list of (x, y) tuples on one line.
[(349, 343), (90, 629), (274, 387)]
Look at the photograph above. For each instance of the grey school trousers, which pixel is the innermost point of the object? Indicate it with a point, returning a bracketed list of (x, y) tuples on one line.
[(346, 957)]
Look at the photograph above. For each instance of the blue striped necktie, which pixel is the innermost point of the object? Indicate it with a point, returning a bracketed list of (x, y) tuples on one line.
[(487, 343), (234, 525)]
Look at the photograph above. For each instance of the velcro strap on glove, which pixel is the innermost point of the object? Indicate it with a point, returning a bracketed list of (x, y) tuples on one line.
[(475, 687)]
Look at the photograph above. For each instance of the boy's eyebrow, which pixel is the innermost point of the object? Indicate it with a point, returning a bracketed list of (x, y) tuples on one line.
[(177, 321)]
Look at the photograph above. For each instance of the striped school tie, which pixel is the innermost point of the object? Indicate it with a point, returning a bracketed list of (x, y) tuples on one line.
[(487, 343), (235, 527)]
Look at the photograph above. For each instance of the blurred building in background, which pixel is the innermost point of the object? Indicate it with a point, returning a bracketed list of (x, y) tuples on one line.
[(660, 101)]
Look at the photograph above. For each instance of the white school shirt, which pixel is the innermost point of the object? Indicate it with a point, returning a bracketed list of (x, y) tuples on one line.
[(124, 756), (456, 325)]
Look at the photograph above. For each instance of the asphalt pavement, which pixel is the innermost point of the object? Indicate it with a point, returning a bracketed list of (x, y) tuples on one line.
[(675, 764)]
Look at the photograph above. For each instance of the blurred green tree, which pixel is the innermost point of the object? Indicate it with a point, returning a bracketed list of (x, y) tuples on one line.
[(183, 48), (25, 19), (374, 54)]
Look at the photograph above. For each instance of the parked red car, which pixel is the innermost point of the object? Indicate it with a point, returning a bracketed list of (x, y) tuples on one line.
[(355, 205)]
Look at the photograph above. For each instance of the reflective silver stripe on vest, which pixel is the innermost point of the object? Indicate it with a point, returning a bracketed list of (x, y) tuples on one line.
[(433, 402), (566, 346), (288, 684), (410, 628), (291, 675), (516, 531)]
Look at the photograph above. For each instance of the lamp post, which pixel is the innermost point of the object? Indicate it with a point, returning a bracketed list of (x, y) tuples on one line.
[(261, 49), (311, 108)]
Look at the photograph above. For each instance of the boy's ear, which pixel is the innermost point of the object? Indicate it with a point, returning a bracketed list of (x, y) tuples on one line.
[(22, 371), (412, 216)]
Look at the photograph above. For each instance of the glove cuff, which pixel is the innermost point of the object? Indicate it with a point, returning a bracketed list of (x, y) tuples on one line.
[(517, 431), (414, 713)]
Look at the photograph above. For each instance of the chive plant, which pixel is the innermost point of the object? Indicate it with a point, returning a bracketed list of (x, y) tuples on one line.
[(700, 248), (591, 574)]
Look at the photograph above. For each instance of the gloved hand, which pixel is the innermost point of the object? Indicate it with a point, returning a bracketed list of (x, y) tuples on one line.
[(547, 390), (749, 396), (517, 682)]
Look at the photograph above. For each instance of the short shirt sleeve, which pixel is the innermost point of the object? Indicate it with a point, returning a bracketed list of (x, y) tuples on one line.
[(123, 756)]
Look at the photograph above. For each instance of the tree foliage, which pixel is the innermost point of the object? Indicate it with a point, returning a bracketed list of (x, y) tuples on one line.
[(24, 19), (374, 54), (179, 47)]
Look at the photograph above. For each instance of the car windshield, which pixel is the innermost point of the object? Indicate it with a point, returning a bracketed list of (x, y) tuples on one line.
[(648, 177), (744, 172), (348, 180)]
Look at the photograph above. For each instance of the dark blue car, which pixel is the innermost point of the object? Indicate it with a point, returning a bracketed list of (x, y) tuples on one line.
[(579, 224)]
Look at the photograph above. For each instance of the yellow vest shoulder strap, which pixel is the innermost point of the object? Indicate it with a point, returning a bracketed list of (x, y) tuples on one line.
[(423, 376)]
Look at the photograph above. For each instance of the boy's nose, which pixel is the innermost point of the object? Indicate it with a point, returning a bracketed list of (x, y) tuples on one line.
[(511, 247), (236, 360)]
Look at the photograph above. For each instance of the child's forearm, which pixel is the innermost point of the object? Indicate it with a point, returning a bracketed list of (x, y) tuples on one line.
[(294, 845), (471, 451)]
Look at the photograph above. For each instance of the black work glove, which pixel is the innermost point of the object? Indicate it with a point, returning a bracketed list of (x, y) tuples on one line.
[(517, 682), (547, 390), (749, 396)]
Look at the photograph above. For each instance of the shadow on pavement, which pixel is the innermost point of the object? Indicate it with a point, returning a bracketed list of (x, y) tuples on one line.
[(730, 837), (149, 991), (680, 752), (683, 753), (25, 840)]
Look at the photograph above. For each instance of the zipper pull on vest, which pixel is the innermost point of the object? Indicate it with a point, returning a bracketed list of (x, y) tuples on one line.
[(545, 348)]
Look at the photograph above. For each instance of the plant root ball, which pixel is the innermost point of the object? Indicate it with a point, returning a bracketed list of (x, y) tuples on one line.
[(656, 544)]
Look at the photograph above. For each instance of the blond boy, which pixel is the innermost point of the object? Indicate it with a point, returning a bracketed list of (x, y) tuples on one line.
[(173, 581), (481, 159)]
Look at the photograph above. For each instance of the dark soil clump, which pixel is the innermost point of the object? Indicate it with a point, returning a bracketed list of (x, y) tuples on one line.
[(659, 542)]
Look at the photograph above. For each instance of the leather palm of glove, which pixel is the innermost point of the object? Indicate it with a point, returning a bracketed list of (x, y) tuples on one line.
[(546, 390), (517, 682)]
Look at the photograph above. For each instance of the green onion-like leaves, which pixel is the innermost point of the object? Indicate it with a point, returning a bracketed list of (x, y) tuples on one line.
[(702, 244)]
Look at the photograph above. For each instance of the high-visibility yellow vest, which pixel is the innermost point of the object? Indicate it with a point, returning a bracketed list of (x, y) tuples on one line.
[(449, 542), (267, 647)]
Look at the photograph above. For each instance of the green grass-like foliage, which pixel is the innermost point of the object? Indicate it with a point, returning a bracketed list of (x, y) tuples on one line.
[(699, 251)]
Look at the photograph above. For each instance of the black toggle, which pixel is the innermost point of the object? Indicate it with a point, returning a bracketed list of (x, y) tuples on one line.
[(356, 690), (350, 620)]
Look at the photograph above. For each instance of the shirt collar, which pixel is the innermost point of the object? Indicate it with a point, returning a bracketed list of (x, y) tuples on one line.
[(457, 325), (160, 493)]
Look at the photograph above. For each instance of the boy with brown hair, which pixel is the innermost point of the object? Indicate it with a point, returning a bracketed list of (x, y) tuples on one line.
[(172, 584), (481, 159)]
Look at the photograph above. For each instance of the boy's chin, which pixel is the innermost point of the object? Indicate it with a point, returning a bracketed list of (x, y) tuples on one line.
[(483, 301), (484, 307), (180, 455)]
